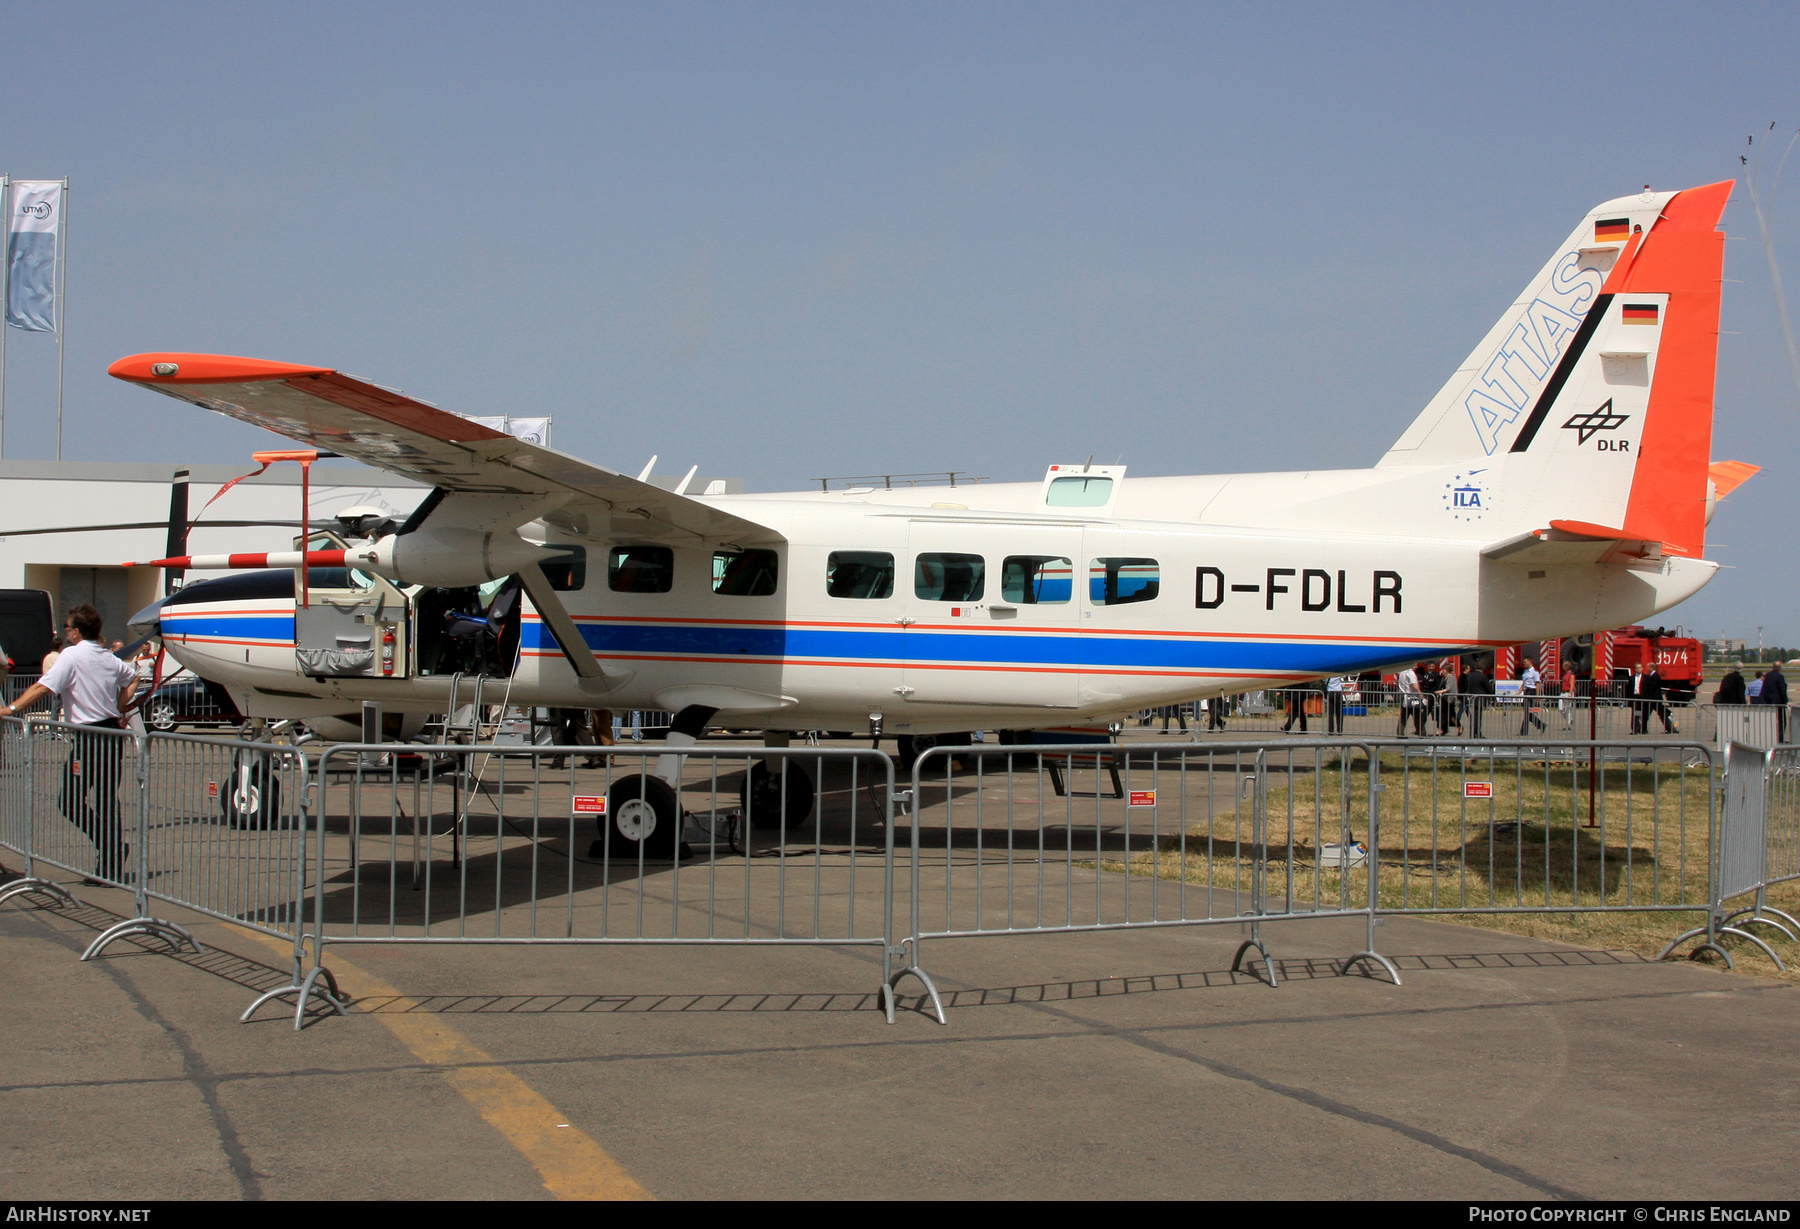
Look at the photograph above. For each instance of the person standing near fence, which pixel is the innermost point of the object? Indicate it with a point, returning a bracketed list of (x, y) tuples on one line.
[(1654, 702), (1407, 683), (1640, 703), (1531, 683), (1296, 706), (1431, 690), (1334, 704), (95, 687), (1215, 713), (1774, 692), (1178, 712), (1476, 687), (1731, 688)]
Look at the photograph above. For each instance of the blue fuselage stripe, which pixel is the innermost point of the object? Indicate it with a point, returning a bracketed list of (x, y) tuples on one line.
[(851, 645)]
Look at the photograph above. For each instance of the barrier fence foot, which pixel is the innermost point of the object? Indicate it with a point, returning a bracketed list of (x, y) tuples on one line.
[(168, 932), (1753, 916), (887, 992), (1237, 961), (1711, 933), (30, 886), (302, 990), (1767, 950), (1378, 958)]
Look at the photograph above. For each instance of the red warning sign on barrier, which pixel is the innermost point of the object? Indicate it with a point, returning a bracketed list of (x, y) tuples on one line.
[(1141, 798), (582, 804), (1478, 789), (212, 789)]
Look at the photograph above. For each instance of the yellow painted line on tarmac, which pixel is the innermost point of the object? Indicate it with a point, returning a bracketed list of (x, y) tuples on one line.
[(572, 1164)]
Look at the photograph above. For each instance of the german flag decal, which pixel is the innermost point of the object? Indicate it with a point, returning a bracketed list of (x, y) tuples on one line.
[(1612, 230), (1639, 313)]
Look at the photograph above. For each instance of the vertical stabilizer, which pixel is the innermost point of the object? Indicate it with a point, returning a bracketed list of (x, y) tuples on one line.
[(1592, 400)]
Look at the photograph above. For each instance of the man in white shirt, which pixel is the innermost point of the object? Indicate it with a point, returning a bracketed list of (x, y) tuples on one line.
[(1411, 701), (1531, 684), (94, 686)]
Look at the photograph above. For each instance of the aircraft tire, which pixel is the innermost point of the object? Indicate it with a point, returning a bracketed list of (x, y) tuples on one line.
[(762, 796), (909, 747), (643, 818), (257, 804)]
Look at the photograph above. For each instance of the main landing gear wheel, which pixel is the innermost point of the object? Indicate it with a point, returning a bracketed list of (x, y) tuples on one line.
[(762, 796), (910, 747), (251, 799), (643, 819)]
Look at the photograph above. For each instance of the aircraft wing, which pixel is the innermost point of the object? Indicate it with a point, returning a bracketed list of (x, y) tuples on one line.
[(333, 412)]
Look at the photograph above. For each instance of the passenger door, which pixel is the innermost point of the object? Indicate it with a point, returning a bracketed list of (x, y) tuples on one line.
[(991, 614), (353, 624)]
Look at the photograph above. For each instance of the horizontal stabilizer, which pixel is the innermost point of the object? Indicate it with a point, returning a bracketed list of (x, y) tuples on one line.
[(1571, 542), (1728, 476)]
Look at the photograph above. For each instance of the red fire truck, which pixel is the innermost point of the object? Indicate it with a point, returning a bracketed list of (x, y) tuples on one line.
[(1606, 658), (1677, 657)]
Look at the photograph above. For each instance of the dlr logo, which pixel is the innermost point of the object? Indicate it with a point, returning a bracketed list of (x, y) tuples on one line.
[(1613, 445)]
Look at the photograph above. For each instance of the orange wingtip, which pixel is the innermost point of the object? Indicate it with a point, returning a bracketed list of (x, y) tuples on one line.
[(206, 369), (1728, 476)]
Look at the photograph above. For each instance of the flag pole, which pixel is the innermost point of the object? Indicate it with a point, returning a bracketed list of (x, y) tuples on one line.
[(5, 297), (62, 286)]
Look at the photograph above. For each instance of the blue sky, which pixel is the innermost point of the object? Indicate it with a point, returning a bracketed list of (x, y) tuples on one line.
[(784, 241)]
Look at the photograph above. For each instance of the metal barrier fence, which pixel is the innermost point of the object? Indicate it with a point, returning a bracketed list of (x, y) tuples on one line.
[(1144, 835), (212, 826), (1125, 836), (493, 845), (433, 845)]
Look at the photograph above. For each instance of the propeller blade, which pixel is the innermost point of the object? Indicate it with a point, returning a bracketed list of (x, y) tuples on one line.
[(267, 559)]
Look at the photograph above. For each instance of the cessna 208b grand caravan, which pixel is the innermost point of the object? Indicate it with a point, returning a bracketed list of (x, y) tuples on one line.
[(1558, 483)]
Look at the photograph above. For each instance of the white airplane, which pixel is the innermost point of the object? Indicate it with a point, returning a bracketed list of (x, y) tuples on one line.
[(1557, 484)]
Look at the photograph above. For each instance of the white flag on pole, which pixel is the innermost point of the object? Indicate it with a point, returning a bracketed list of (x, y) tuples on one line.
[(34, 219)]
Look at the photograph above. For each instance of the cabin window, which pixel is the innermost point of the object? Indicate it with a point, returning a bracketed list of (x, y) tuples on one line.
[(1079, 492), (1037, 580), (640, 569), (1118, 582), (745, 573), (568, 571), (943, 577), (859, 573)]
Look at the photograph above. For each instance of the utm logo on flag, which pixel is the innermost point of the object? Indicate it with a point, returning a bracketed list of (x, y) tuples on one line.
[(34, 209)]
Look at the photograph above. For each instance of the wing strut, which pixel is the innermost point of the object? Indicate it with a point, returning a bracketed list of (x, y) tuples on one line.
[(556, 618)]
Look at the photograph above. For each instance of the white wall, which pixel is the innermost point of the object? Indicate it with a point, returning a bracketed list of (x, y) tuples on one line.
[(38, 495)]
